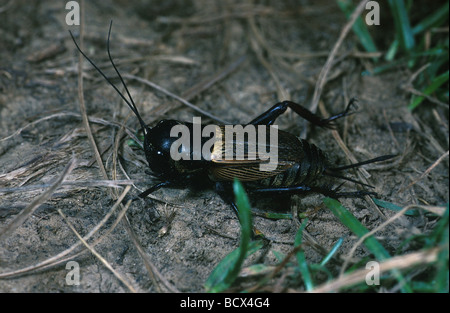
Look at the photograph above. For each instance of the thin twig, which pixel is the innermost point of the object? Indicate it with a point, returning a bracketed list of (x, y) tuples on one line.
[(353, 159), (151, 268), (211, 80), (78, 183), (257, 40), (409, 87), (321, 54), (85, 121), (81, 99), (96, 254), (23, 215), (127, 227), (83, 108), (373, 231), (59, 258), (326, 68), (276, 270), (419, 93), (399, 262), (96, 120), (427, 171), (242, 11), (172, 95)]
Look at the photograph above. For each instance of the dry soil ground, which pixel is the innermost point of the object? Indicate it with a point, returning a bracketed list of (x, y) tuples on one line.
[(277, 48)]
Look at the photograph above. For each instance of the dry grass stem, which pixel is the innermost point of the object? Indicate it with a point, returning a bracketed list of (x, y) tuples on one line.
[(78, 183), (258, 43), (28, 211), (398, 262), (96, 120), (97, 255), (210, 81), (326, 68), (426, 172), (81, 99), (225, 61), (172, 95), (373, 231), (353, 159), (59, 258), (150, 267)]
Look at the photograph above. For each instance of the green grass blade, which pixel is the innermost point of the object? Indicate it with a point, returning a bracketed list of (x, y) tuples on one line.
[(221, 277), (302, 264), (133, 143), (442, 273), (358, 229), (433, 20), (392, 51), (435, 84), (278, 255), (359, 27), (332, 252), (245, 214), (437, 53), (393, 207), (225, 273), (402, 25)]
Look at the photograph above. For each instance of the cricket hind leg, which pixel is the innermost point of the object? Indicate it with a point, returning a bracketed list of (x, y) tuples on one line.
[(269, 117), (326, 191)]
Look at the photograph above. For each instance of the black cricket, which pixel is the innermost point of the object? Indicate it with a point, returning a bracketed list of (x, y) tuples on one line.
[(300, 164)]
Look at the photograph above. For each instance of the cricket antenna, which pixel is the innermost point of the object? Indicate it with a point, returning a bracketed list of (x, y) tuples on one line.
[(346, 178), (333, 170), (130, 103), (378, 159)]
